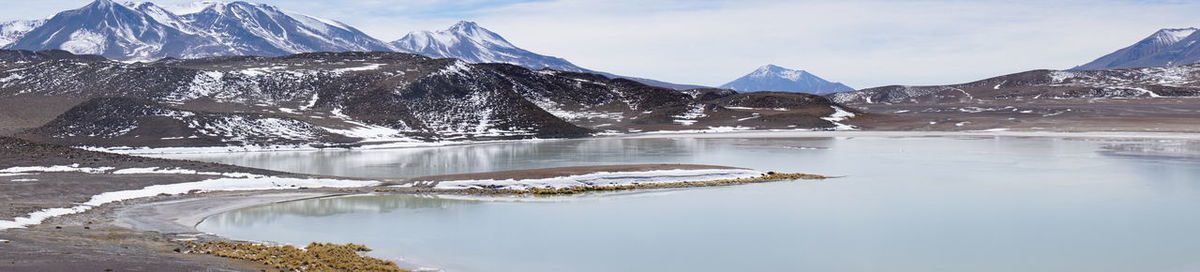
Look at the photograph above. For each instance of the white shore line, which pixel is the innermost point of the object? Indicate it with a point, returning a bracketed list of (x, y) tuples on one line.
[(293, 148), (598, 179), (891, 134), (251, 183), (181, 216), (698, 134)]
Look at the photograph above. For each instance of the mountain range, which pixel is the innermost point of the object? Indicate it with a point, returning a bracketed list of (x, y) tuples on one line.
[(143, 31), (774, 78), (470, 42), (1166, 47), (353, 98), (146, 32)]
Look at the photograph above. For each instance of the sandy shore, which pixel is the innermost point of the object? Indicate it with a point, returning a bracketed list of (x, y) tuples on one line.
[(182, 215)]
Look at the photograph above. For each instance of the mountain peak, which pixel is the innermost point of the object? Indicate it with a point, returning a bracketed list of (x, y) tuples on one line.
[(464, 25), (462, 36), (101, 4), (209, 6), (145, 31), (1170, 36), (1165, 47), (771, 70), (770, 67), (772, 77)]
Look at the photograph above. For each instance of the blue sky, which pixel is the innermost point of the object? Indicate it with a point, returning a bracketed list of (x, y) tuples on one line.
[(862, 43)]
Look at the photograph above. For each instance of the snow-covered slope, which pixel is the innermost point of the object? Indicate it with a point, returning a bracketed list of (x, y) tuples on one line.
[(1166, 47), (145, 31), (470, 42), (775, 78), (263, 30), (110, 29), (12, 30)]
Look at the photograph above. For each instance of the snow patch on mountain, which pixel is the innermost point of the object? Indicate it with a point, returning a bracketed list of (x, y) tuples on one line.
[(840, 115), (85, 42), (12, 30)]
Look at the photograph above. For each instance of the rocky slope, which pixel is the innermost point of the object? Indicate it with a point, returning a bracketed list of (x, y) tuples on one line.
[(775, 78), (350, 98)]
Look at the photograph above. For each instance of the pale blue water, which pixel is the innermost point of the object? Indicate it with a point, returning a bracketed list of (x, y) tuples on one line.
[(906, 204)]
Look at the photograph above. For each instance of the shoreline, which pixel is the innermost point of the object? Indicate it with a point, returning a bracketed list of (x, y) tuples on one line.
[(901, 134), (181, 216), (698, 134)]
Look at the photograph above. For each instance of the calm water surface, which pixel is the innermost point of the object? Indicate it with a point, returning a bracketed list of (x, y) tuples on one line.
[(906, 204)]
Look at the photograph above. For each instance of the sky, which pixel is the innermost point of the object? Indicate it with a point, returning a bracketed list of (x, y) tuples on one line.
[(862, 43)]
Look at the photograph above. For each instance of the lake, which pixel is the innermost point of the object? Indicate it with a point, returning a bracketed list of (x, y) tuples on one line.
[(904, 204)]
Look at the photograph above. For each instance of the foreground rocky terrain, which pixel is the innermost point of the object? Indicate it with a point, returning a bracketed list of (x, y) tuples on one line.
[(350, 98), (87, 242)]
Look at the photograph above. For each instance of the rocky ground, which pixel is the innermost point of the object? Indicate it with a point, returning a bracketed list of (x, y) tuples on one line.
[(89, 242), (1132, 115)]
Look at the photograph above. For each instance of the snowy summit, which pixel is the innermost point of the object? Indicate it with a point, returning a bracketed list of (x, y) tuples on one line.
[(1166, 47), (145, 31), (774, 78), (470, 42)]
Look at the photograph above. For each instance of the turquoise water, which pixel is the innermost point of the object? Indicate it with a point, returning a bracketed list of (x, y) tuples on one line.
[(906, 204)]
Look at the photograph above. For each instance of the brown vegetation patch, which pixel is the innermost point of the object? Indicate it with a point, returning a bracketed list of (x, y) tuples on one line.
[(314, 257)]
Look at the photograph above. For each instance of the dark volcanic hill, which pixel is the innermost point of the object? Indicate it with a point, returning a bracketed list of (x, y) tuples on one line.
[(332, 98), (1139, 99), (1042, 85)]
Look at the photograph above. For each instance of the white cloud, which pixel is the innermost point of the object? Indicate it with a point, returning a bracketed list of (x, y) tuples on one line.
[(862, 43)]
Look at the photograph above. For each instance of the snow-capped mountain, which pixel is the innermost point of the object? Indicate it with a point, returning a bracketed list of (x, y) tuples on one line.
[(110, 29), (12, 30), (263, 30), (354, 97), (775, 78), (470, 42), (145, 31), (1166, 47)]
